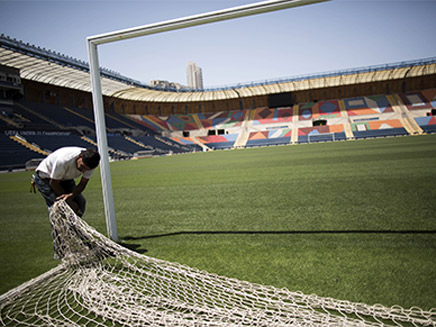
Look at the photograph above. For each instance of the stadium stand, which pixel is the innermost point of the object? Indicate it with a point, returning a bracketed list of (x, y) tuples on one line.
[(49, 126), (223, 119), (56, 140), (161, 144), (43, 100), (377, 128), (422, 108), (155, 124), (367, 117), (32, 119), (373, 116), (114, 122), (219, 142), (267, 138), (129, 122), (428, 124), (61, 115), (15, 155), (321, 133)]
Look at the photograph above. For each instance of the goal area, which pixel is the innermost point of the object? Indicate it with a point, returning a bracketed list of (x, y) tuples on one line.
[(321, 137), (101, 283)]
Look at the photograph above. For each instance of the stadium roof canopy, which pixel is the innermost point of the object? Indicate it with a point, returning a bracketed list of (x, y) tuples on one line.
[(45, 66)]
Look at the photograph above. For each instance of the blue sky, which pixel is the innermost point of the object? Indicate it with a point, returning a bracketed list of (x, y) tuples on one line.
[(328, 36)]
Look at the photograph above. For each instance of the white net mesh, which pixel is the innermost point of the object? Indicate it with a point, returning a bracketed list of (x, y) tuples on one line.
[(101, 283)]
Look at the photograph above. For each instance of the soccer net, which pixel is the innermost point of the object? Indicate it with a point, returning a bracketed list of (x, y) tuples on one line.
[(322, 137), (100, 283)]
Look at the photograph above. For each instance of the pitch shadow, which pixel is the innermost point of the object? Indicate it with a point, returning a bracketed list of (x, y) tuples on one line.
[(298, 232), (133, 247)]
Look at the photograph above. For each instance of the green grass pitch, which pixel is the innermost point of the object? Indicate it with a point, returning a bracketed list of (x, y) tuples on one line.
[(316, 218)]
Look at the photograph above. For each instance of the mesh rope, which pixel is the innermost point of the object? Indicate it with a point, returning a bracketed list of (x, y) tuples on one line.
[(100, 283)]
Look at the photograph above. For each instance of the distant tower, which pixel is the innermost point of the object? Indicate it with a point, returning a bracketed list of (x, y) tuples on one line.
[(194, 75)]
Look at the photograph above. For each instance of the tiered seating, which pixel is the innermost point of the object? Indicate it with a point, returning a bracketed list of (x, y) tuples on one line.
[(382, 128), (223, 119), (3, 123), (112, 121), (118, 142), (271, 116), (370, 105), (220, 120), (428, 123), (421, 106), (270, 126), (182, 122), (186, 142), (274, 137), (219, 142), (373, 116), (178, 145), (14, 155), (151, 122), (163, 146), (359, 117), (143, 143), (130, 123), (57, 140), (61, 115), (321, 134), (326, 111), (32, 120), (119, 147), (422, 100)]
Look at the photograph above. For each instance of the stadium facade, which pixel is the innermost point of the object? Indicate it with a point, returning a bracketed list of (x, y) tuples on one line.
[(44, 70)]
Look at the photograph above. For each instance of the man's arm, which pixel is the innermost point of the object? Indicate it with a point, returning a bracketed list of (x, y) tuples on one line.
[(69, 196), (55, 184)]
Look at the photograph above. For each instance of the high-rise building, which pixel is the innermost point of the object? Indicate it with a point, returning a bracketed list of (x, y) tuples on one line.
[(194, 75), (166, 85)]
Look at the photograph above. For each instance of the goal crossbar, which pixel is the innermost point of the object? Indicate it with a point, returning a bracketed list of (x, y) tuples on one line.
[(165, 26)]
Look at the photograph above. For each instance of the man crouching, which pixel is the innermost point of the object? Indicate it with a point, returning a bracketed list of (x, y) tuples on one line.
[(55, 176)]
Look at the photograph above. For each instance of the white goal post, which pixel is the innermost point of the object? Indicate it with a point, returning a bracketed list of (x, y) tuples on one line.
[(97, 98), (322, 137)]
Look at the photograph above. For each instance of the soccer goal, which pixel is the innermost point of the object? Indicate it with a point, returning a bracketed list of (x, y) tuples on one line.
[(190, 21), (322, 137)]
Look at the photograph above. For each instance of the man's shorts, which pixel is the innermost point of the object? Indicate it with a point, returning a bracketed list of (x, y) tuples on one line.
[(43, 186)]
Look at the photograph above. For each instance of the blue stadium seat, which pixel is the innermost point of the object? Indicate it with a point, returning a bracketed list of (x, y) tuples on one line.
[(266, 142), (15, 155), (380, 133), (53, 142)]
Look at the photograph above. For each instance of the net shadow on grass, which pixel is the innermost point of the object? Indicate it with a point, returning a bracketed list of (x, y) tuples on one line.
[(133, 247), (295, 232)]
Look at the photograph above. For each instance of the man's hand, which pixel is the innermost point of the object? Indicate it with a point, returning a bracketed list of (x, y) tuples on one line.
[(68, 198), (65, 197)]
